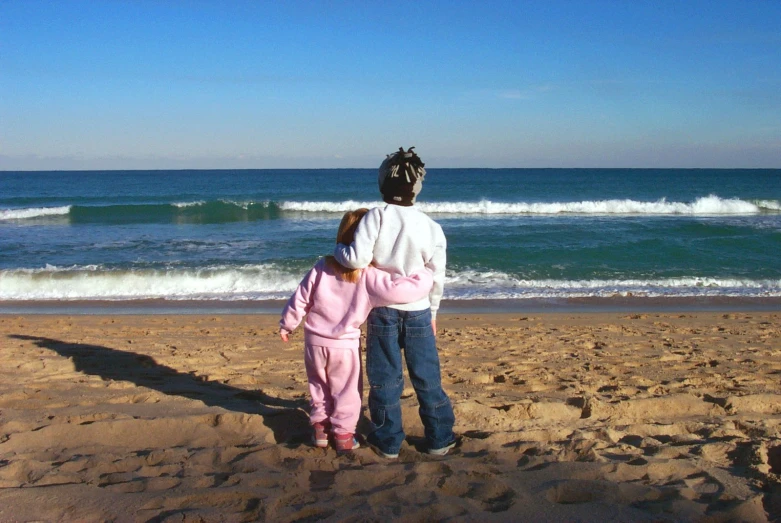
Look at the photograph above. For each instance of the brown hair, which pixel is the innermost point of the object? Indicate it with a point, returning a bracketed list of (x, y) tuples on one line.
[(346, 235)]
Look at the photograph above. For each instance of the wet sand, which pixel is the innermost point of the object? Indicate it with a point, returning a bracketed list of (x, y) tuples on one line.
[(611, 416)]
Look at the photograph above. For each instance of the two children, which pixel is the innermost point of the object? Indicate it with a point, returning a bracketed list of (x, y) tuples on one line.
[(400, 240), (336, 301)]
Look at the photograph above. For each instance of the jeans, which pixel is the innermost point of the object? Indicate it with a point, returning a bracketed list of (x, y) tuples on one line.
[(389, 331)]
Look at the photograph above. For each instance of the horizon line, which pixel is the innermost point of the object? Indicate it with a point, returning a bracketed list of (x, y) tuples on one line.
[(374, 168)]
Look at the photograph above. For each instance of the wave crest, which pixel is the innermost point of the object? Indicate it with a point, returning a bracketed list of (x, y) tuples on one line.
[(33, 212), (708, 205), (499, 285), (343, 206), (770, 205), (269, 281), (223, 210), (94, 282)]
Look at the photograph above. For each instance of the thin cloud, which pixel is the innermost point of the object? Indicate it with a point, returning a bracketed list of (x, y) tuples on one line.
[(514, 94), (526, 94)]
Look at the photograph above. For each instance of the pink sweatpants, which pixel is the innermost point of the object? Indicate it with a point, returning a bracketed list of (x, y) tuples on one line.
[(335, 386)]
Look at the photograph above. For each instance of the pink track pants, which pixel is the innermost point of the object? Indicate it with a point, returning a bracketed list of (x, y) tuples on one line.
[(335, 386)]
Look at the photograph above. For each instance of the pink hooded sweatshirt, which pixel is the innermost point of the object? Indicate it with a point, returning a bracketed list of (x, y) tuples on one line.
[(335, 309)]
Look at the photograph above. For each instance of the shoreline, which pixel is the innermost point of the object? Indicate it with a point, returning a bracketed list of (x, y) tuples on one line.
[(480, 306)]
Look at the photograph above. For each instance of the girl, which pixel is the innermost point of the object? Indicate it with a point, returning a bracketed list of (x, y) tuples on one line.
[(336, 301)]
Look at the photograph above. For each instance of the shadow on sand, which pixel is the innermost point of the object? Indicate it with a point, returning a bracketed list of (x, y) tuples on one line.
[(286, 418)]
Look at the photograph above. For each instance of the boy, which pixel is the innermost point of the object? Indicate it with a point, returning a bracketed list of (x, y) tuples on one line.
[(400, 239)]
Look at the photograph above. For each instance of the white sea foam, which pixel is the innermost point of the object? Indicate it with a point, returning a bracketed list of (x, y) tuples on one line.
[(33, 212), (772, 205), (707, 205), (498, 285), (258, 282), (343, 206), (94, 282), (243, 204)]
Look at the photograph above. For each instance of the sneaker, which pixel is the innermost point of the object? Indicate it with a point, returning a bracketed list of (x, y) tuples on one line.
[(320, 435), (346, 442), (382, 453), (386, 455), (442, 451)]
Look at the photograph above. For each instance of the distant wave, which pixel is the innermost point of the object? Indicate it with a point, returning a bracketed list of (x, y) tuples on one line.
[(218, 211), (223, 211), (33, 212), (184, 205), (269, 281), (339, 207), (708, 205)]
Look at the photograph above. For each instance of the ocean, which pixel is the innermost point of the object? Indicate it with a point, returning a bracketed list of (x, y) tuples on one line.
[(513, 234)]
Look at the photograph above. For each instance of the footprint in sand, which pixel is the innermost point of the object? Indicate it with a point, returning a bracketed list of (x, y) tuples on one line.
[(210, 506)]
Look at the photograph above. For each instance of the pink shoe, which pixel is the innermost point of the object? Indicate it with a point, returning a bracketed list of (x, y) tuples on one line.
[(346, 442), (320, 435)]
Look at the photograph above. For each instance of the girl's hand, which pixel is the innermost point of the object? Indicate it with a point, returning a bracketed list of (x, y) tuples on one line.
[(284, 335)]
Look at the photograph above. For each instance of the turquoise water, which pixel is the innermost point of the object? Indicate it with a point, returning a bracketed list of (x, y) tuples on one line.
[(512, 233)]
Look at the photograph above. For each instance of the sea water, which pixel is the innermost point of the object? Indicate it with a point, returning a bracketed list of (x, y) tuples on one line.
[(512, 233)]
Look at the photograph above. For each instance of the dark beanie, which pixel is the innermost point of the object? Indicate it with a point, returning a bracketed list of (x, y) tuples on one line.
[(401, 177)]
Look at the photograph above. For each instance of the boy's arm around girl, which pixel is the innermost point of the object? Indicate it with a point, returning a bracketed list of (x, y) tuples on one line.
[(424, 245), (381, 289)]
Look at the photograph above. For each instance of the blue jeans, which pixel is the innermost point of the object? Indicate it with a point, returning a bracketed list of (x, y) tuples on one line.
[(389, 331)]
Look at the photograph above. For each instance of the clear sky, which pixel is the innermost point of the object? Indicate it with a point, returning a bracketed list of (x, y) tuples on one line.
[(110, 84)]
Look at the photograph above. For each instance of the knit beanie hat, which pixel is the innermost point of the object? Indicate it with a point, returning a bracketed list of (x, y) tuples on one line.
[(401, 177)]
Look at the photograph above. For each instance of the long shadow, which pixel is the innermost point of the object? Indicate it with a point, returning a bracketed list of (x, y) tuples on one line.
[(285, 418)]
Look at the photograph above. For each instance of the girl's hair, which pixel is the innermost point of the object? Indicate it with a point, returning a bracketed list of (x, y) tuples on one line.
[(346, 235)]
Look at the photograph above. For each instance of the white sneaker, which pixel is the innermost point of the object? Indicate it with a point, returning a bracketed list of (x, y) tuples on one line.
[(383, 454), (443, 451)]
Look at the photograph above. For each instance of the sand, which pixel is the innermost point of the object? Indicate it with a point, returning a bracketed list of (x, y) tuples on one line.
[(563, 417)]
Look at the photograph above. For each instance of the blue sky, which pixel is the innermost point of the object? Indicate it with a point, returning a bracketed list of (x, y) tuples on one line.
[(231, 84)]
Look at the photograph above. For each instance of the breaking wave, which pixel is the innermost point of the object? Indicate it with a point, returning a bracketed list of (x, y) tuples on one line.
[(33, 212), (708, 205), (269, 281), (223, 211), (468, 285)]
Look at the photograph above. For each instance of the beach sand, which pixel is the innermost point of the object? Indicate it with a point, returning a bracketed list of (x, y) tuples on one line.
[(564, 417)]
